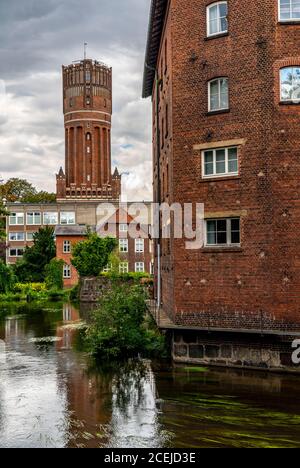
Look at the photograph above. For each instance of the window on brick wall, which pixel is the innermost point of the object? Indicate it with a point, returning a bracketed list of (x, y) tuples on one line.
[(67, 271), (139, 267), (16, 252), (67, 217), (218, 94), (123, 245), (290, 84), (123, 267), (289, 10), (123, 228), (50, 218), (16, 236), (219, 162), (223, 232), (217, 22), (67, 247), (16, 219), (34, 218), (139, 245), (29, 236)]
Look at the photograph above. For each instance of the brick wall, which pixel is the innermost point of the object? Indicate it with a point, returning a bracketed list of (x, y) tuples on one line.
[(262, 278)]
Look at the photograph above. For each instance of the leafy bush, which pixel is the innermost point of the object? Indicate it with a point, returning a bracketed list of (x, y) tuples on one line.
[(29, 287), (54, 274), (91, 256), (119, 328), (7, 278)]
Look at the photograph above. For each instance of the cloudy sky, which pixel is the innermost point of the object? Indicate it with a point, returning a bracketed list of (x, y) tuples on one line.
[(36, 38)]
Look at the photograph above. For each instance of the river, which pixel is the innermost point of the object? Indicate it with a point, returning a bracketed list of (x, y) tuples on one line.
[(52, 394)]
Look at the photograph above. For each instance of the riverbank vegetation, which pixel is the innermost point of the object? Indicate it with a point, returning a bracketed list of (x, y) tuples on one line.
[(121, 326)]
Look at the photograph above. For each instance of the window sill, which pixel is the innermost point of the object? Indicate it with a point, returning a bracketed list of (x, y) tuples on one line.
[(217, 112), (221, 178), (220, 249), (289, 103), (289, 22), (216, 36)]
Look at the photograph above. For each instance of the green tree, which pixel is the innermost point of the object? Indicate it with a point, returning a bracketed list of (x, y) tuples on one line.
[(7, 278), (91, 256), (54, 274), (32, 266), (119, 327), (21, 190)]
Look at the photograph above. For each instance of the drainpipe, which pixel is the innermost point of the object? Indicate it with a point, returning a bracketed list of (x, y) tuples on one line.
[(158, 82)]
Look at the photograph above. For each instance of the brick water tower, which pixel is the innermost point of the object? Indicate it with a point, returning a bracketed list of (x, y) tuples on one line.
[(87, 104)]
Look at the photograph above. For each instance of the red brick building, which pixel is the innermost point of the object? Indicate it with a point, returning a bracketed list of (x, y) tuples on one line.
[(227, 75), (87, 105), (134, 246)]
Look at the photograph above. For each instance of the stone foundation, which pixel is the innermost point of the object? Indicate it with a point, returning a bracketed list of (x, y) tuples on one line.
[(234, 350)]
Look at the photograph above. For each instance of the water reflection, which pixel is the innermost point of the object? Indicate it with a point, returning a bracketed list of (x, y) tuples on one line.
[(53, 395)]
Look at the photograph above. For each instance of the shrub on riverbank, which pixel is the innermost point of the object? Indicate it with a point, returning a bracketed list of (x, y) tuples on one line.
[(7, 278), (120, 326), (28, 292)]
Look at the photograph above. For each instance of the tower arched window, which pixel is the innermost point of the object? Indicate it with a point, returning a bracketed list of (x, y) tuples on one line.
[(290, 84), (88, 137), (217, 21), (289, 10), (218, 94)]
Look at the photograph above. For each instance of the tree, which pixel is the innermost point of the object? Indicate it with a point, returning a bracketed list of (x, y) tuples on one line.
[(3, 214), (54, 274), (119, 327), (32, 266), (23, 191), (91, 256), (7, 278)]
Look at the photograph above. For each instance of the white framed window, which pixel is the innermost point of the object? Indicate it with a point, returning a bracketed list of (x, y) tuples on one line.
[(123, 228), (67, 217), (50, 218), (16, 252), (67, 247), (290, 83), (108, 268), (34, 218), (123, 245), (29, 236), (139, 267), (218, 94), (123, 267), (220, 162), (67, 271), (16, 219), (139, 245), (289, 10), (217, 22), (16, 236), (223, 232)]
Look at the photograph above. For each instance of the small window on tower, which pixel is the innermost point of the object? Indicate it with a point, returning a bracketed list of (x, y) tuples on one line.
[(88, 136), (88, 76), (88, 101), (71, 102), (88, 150)]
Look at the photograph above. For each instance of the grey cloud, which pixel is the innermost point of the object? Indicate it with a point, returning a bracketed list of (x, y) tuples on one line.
[(36, 38)]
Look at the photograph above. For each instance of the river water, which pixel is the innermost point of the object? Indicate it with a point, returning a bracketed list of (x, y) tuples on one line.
[(53, 395)]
